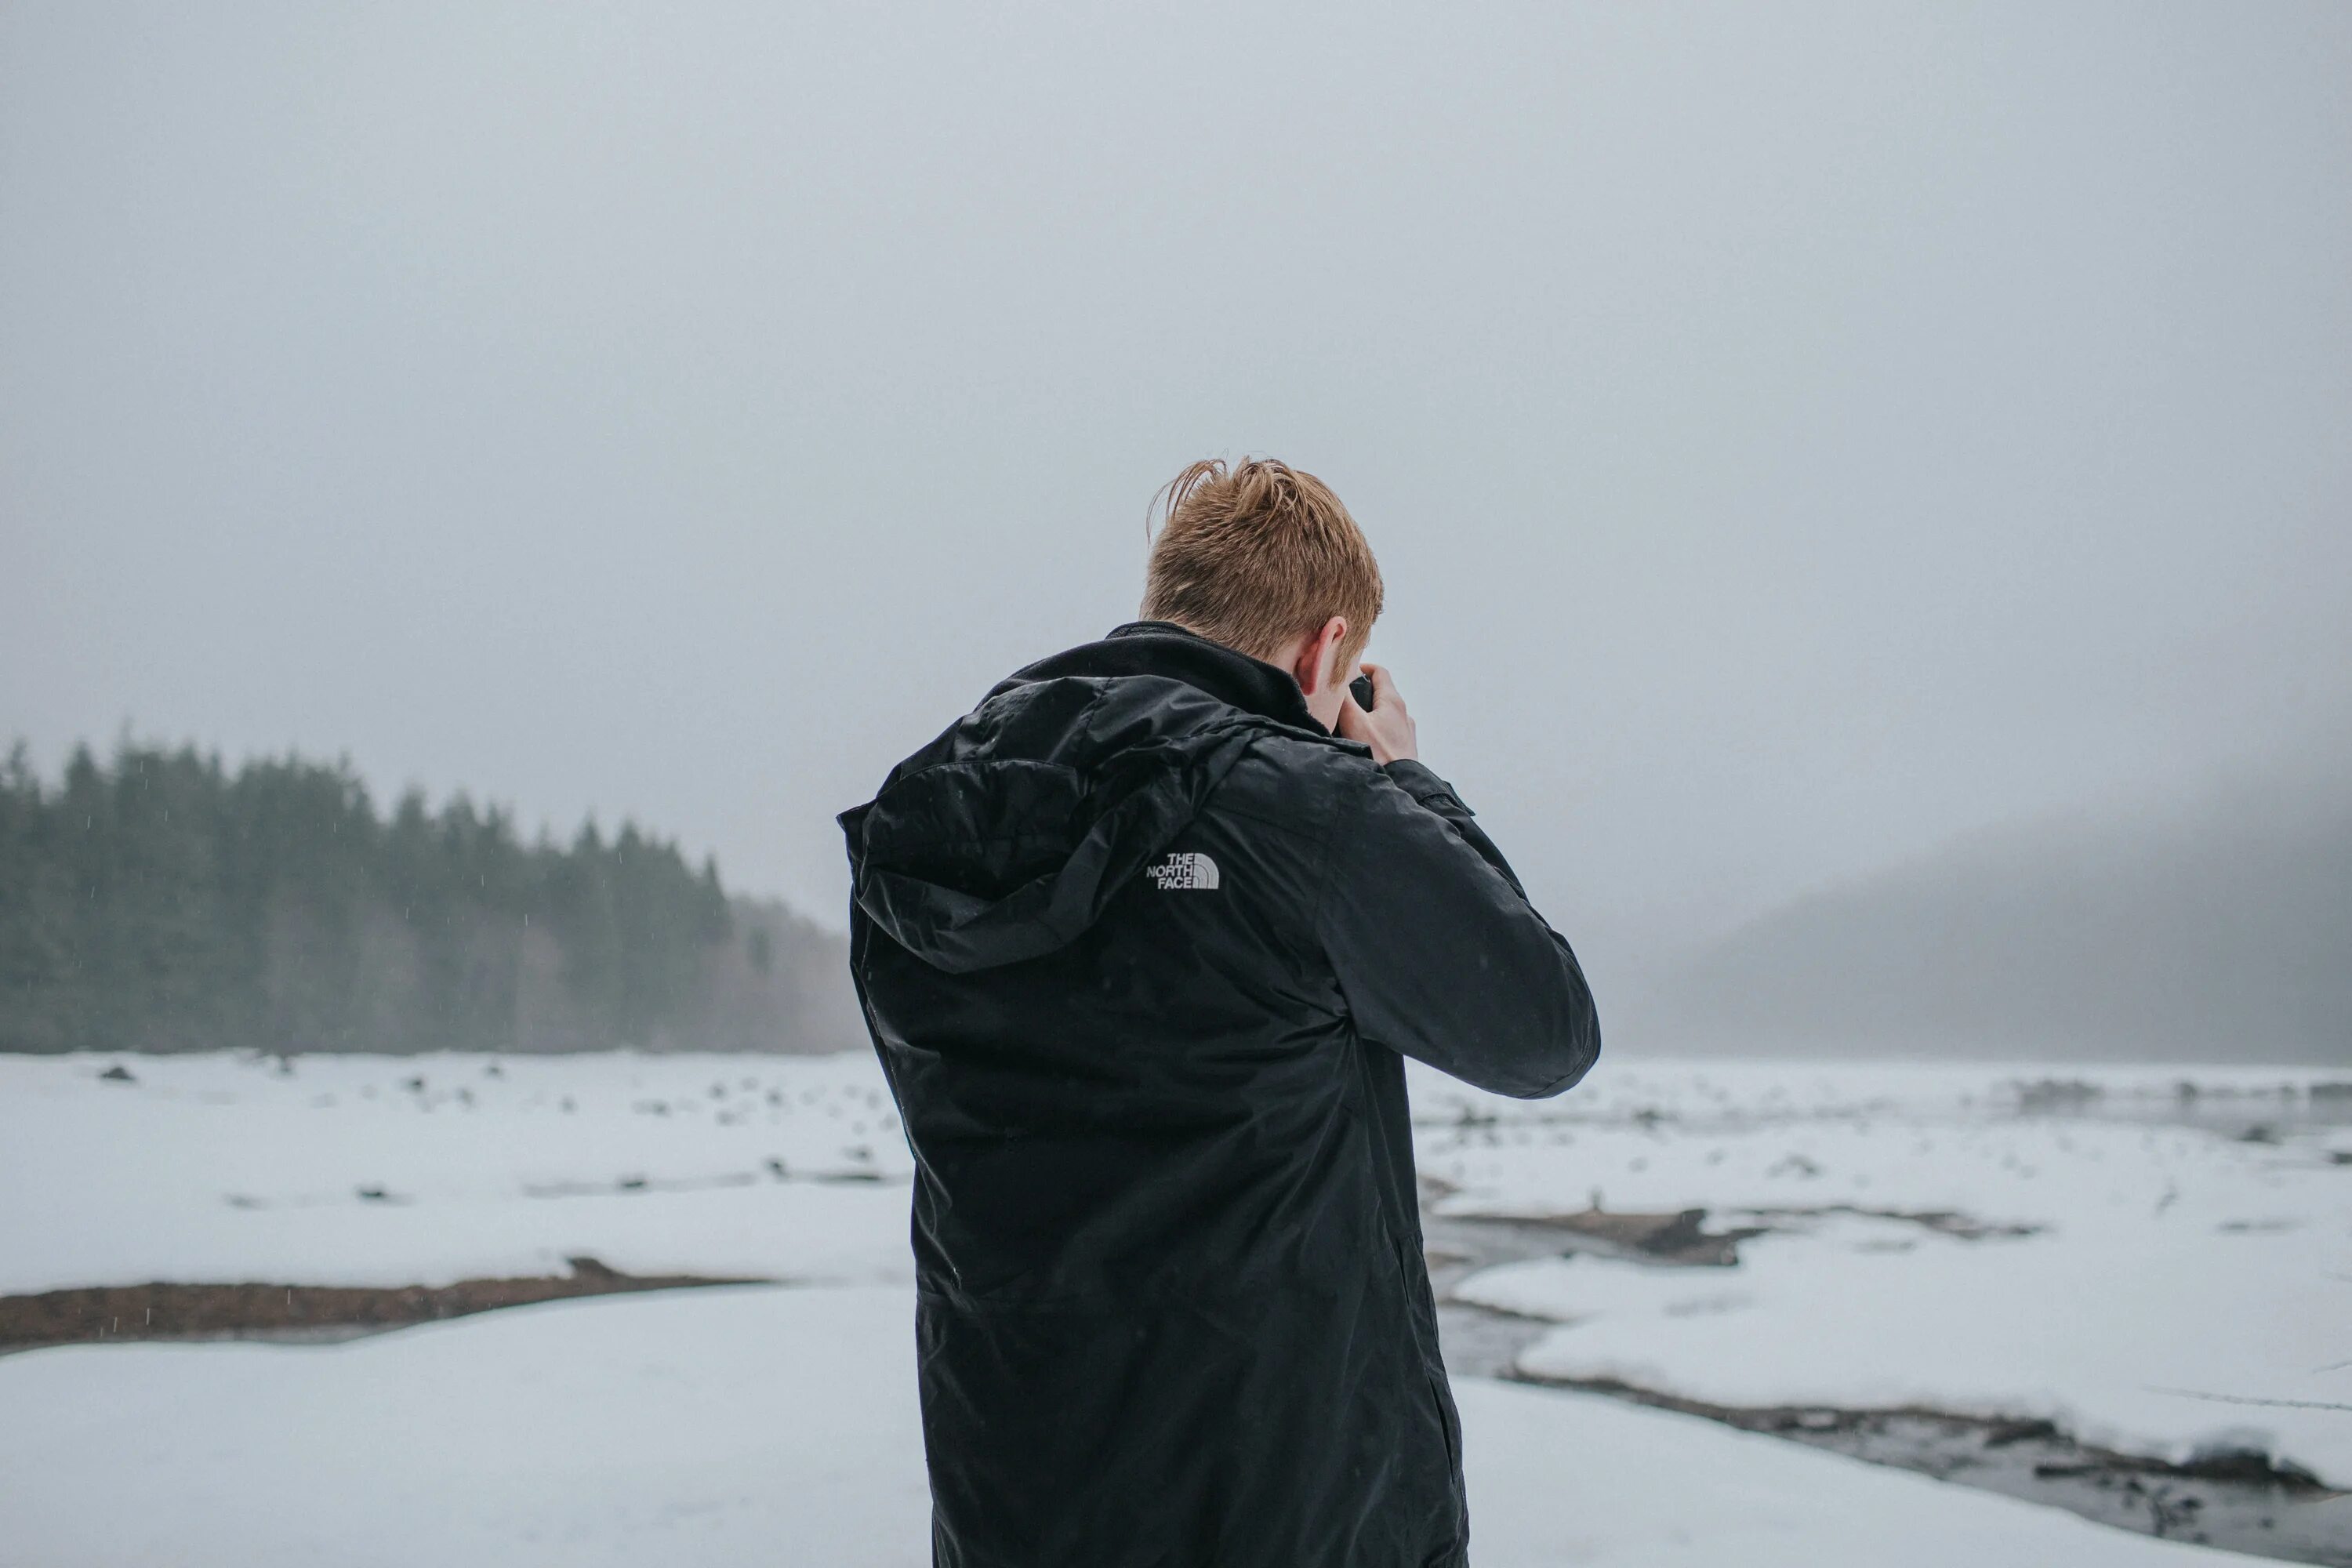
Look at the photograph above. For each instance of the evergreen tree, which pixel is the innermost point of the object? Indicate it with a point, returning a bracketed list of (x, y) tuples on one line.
[(157, 903)]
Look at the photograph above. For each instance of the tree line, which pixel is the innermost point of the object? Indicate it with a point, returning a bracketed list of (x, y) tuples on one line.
[(158, 901)]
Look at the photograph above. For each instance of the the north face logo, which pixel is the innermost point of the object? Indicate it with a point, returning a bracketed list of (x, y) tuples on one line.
[(1186, 869)]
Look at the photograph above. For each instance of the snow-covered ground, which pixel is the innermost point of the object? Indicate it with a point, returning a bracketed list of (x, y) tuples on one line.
[(778, 1423), (2183, 1288), (757, 1425), (218, 1168)]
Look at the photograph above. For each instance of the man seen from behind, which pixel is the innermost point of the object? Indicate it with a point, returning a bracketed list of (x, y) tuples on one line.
[(1142, 941)]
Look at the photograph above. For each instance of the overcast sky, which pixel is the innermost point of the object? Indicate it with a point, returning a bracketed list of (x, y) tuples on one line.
[(1791, 434)]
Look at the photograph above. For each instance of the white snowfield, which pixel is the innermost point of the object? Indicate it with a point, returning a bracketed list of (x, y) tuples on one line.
[(748, 1425), (2183, 1289), (777, 1423), (216, 1168)]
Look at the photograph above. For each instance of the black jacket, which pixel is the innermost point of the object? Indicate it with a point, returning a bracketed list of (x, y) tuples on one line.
[(1139, 943)]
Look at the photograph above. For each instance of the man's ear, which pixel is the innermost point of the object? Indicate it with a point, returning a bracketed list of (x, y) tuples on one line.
[(1317, 655)]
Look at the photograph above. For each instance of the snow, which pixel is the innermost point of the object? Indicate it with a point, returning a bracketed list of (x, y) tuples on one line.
[(2181, 1289), (761, 1424), (777, 1423), (734, 1424), (215, 1167)]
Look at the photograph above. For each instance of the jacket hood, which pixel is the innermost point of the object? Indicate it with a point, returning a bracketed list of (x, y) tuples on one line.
[(1004, 838)]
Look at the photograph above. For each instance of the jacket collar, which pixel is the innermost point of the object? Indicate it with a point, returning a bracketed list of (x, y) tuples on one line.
[(1164, 647)]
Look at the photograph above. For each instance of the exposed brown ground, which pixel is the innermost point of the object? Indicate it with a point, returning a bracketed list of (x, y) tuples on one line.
[(168, 1310)]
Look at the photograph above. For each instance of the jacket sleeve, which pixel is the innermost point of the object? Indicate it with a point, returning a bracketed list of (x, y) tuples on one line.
[(1439, 953)]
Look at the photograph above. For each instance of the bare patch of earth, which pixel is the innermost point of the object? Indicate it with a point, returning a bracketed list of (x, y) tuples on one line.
[(1678, 1240), (1943, 1222), (168, 1310)]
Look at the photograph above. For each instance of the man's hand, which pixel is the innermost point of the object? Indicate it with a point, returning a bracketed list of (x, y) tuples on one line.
[(1388, 727)]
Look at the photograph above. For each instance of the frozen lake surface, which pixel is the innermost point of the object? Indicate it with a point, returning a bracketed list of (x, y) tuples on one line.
[(2142, 1272)]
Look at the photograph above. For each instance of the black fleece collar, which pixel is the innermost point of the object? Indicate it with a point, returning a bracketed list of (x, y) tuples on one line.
[(1164, 647)]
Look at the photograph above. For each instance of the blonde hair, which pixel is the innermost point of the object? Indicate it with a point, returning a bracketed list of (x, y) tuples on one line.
[(1258, 556)]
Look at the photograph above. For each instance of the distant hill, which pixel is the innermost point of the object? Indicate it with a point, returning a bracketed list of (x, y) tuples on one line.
[(158, 903), (2220, 932)]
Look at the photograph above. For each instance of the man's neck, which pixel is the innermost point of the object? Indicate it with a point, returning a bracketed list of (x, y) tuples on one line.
[(1172, 650)]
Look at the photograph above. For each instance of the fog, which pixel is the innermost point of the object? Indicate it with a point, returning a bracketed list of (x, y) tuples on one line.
[(2217, 930), (1793, 439)]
